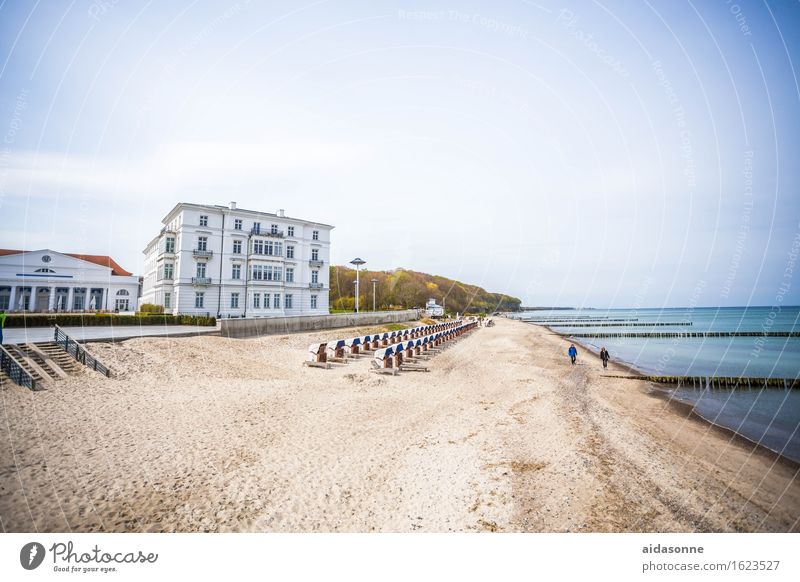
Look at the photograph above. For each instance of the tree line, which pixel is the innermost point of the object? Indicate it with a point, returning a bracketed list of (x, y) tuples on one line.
[(405, 289)]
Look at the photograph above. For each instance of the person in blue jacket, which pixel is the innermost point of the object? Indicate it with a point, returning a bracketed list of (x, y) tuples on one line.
[(573, 353)]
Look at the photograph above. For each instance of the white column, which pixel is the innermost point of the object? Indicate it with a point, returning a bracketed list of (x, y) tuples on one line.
[(12, 298), (70, 298), (51, 300)]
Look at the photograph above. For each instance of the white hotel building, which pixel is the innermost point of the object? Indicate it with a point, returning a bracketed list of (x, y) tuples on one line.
[(228, 262)]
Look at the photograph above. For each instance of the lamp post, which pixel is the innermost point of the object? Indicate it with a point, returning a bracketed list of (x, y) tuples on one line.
[(374, 281), (357, 262)]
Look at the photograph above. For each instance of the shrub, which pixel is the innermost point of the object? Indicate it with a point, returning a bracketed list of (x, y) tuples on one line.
[(102, 319), (151, 308)]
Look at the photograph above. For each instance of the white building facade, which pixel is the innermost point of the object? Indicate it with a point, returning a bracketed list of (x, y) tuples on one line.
[(50, 281), (229, 262)]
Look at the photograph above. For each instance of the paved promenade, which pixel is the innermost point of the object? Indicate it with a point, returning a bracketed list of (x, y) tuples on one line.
[(103, 333)]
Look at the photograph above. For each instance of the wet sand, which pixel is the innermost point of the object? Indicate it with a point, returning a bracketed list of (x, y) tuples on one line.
[(215, 434)]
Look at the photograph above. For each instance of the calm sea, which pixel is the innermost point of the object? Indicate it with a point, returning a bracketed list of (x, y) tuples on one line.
[(770, 416)]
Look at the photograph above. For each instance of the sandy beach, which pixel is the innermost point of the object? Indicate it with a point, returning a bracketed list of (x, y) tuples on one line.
[(216, 434)]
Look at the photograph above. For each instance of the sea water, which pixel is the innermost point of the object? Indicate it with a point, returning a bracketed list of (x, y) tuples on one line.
[(768, 416)]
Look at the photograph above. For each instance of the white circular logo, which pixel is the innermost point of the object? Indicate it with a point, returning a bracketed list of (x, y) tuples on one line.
[(46, 258)]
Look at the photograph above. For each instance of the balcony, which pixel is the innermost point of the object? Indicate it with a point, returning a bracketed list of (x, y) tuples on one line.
[(202, 254), (201, 280), (167, 229), (165, 279), (316, 285), (313, 263), (266, 232)]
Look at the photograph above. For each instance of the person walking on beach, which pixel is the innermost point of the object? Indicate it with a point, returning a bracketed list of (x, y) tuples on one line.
[(573, 353), (2, 324), (604, 356)]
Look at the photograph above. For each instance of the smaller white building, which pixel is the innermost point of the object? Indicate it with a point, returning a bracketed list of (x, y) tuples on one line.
[(433, 310), (47, 280)]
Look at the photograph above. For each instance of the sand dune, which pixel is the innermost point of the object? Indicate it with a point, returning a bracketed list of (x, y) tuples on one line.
[(212, 434)]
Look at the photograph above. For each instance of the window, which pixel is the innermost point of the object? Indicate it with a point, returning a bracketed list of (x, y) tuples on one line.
[(169, 244), (266, 300), (315, 235), (257, 300), (256, 227), (278, 250), (314, 254), (234, 301), (273, 229), (289, 275), (203, 220), (287, 301), (201, 269), (277, 272), (123, 292), (268, 247), (289, 252), (290, 231), (202, 243), (237, 224), (168, 270), (167, 300), (313, 302), (236, 272), (276, 301), (121, 305), (315, 276), (237, 247), (198, 299), (44, 270), (258, 247), (257, 273)]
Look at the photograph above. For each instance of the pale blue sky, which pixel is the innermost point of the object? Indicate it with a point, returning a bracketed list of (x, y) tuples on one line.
[(568, 153)]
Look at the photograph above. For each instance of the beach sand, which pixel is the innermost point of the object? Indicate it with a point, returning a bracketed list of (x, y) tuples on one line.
[(215, 434)]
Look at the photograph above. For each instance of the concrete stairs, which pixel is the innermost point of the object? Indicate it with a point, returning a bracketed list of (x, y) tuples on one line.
[(46, 362)]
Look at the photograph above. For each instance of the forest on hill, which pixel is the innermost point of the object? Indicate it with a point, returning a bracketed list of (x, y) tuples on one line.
[(403, 289)]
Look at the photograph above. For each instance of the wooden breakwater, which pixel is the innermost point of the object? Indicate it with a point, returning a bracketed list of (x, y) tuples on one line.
[(669, 334), (722, 382), (624, 324), (578, 319)]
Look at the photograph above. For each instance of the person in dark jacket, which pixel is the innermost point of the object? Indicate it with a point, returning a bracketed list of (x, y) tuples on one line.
[(604, 356), (573, 353)]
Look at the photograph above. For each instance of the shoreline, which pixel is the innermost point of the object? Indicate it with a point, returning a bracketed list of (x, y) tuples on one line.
[(666, 393), (503, 434)]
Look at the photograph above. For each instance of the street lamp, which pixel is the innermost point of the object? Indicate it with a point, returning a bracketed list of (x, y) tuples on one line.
[(357, 262), (374, 281)]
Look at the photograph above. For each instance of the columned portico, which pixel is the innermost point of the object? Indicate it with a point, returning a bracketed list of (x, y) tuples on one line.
[(48, 281)]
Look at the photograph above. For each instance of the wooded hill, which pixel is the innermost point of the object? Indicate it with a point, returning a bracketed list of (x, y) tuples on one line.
[(403, 289)]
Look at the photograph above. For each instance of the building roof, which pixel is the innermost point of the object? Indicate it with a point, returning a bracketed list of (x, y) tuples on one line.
[(102, 260), (220, 208)]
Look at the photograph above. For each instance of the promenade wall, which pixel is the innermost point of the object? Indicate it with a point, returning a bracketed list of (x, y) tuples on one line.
[(257, 326)]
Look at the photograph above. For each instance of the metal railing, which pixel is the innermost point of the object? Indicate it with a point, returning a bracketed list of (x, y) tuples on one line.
[(201, 280), (77, 351), (315, 285), (315, 263), (202, 253), (266, 232), (14, 371)]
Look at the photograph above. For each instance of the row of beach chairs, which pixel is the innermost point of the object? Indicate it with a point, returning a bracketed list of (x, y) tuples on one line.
[(390, 350)]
